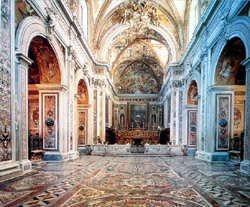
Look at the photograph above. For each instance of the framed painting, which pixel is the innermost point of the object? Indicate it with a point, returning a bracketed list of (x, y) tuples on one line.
[(138, 115)]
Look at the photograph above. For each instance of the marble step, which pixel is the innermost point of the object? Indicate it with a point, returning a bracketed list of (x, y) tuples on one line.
[(9, 172)]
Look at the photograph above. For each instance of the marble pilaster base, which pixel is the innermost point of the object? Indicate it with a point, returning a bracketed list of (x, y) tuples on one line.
[(245, 167), (26, 166), (84, 150), (212, 157)]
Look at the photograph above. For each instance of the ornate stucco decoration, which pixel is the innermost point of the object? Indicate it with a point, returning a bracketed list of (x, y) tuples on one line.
[(139, 15)]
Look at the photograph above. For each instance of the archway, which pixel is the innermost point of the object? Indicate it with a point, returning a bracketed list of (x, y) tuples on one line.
[(43, 83), (230, 98)]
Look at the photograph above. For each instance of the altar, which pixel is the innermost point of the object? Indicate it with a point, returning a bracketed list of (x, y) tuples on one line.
[(137, 137)]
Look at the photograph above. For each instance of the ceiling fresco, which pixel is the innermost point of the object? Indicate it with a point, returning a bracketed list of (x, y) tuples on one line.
[(138, 38)]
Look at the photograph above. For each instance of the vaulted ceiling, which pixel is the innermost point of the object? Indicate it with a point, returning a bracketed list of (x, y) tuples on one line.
[(138, 57)]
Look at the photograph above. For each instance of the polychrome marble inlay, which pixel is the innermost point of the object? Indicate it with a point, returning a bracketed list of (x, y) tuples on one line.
[(129, 181)]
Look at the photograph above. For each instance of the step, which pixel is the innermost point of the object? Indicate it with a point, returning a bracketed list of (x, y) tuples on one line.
[(10, 174)]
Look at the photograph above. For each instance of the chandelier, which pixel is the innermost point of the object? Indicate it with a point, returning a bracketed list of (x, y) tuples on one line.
[(139, 15)]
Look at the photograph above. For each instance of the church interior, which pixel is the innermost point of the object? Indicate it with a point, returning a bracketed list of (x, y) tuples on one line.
[(125, 103)]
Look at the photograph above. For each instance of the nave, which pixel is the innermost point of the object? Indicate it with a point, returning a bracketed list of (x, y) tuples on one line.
[(129, 181)]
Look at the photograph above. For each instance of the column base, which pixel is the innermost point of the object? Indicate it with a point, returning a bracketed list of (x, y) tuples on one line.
[(245, 167), (212, 157), (26, 166)]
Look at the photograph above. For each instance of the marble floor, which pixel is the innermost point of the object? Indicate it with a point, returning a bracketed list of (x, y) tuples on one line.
[(129, 181)]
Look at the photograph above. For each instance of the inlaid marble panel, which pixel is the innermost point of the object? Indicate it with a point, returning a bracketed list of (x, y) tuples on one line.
[(95, 117), (223, 122), (5, 83), (192, 127), (50, 121), (82, 128), (129, 181), (24, 124), (247, 137), (33, 118)]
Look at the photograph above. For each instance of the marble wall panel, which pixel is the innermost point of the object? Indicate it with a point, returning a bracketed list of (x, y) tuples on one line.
[(82, 133), (223, 122), (192, 127), (5, 81), (50, 114), (247, 130), (95, 117)]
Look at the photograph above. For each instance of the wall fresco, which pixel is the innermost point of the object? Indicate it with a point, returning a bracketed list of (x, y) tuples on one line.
[(138, 78), (50, 121), (192, 94), (223, 122), (82, 92), (82, 128), (5, 83)]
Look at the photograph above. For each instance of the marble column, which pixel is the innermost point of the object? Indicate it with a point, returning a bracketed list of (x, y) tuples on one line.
[(245, 164), (22, 96)]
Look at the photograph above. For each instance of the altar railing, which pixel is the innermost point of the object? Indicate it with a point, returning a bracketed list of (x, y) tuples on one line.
[(102, 150)]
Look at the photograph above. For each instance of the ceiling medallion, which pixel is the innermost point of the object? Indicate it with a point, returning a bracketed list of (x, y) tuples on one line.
[(139, 15)]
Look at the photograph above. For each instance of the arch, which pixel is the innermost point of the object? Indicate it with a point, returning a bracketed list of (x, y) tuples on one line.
[(239, 27), (114, 31), (31, 27), (229, 63)]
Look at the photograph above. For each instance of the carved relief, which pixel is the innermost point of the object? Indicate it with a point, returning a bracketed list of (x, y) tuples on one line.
[(82, 92)]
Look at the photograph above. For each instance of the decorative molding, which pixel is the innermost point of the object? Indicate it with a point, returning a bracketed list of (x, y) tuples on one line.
[(24, 60)]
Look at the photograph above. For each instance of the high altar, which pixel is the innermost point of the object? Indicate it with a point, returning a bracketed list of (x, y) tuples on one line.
[(138, 137)]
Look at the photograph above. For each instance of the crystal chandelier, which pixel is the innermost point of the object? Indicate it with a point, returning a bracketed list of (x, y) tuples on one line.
[(139, 15)]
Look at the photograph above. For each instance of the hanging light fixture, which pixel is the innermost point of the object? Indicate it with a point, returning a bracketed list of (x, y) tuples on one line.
[(139, 15)]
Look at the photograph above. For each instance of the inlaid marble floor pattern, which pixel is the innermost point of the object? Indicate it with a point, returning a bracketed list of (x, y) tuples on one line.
[(129, 181)]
